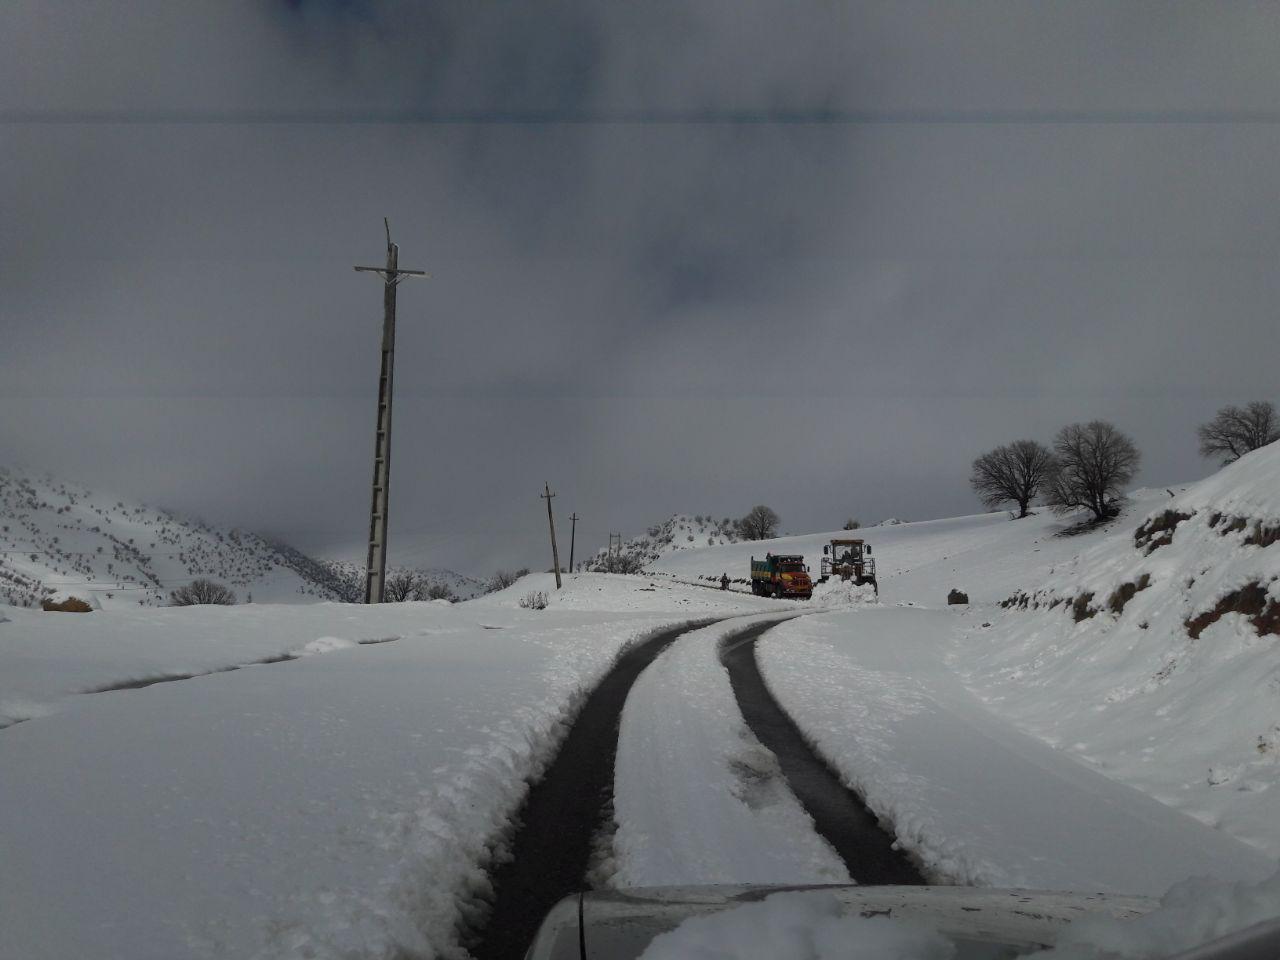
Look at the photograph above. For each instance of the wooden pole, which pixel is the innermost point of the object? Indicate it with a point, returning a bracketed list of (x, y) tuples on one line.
[(573, 535), (376, 561), (555, 552)]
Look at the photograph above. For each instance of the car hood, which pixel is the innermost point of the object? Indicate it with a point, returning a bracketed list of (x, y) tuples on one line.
[(619, 925)]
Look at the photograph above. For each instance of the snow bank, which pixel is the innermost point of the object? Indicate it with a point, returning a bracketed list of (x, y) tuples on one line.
[(798, 926), (843, 593), (698, 799)]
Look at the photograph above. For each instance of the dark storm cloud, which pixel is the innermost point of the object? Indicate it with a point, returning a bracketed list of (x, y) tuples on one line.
[(683, 256)]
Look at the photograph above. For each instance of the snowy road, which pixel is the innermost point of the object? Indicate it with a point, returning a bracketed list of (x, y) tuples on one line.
[(698, 798)]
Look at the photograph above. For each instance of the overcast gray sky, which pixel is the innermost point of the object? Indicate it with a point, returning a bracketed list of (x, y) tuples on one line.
[(684, 256)]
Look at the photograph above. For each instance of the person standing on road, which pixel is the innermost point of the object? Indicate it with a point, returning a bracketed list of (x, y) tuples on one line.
[(724, 581)]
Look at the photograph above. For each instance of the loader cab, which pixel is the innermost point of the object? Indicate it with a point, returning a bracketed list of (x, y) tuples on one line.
[(849, 559)]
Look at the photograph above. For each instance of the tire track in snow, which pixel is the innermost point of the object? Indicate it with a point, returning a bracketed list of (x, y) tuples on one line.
[(838, 813), (559, 821)]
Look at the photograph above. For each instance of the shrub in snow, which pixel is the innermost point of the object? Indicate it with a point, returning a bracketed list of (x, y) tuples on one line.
[(957, 596), (534, 601), (69, 605), (202, 592)]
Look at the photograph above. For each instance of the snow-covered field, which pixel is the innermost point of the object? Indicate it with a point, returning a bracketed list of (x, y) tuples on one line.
[(341, 804), (1115, 724)]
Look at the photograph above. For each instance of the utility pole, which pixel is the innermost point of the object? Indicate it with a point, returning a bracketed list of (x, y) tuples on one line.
[(555, 553), (573, 534), (376, 567)]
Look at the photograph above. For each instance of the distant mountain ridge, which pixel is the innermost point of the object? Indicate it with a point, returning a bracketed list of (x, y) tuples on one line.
[(60, 537)]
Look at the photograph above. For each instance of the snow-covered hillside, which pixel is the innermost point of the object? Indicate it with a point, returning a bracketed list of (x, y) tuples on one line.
[(1154, 655), (62, 537), (986, 555), (679, 532)]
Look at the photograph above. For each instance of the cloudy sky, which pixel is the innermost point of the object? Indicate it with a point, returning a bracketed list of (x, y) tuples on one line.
[(684, 256)]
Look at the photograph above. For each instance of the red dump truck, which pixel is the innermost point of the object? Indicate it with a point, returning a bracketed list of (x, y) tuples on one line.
[(781, 575)]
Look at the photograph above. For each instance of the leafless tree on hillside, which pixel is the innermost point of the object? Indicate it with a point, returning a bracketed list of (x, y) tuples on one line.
[(400, 587), (1093, 463), (434, 591), (760, 523), (202, 591), (503, 579), (1236, 431), (1012, 473)]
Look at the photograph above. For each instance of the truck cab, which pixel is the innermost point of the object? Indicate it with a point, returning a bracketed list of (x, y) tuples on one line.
[(781, 575)]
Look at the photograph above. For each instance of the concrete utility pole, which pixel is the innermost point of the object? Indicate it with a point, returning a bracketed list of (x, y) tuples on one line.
[(573, 534), (555, 553), (376, 568)]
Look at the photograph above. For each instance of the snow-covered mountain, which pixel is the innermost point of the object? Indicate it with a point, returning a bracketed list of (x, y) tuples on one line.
[(59, 537)]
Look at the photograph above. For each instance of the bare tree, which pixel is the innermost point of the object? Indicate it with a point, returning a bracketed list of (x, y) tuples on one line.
[(502, 579), (400, 586), (1093, 462), (434, 591), (1011, 473), (202, 591), (1237, 430), (852, 524), (760, 523), (617, 563)]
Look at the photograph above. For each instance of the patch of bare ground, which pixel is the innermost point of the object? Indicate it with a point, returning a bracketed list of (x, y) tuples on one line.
[(1251, 601), (1260, 533), (1122, 594), (1156, 532), (1081, 608)]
